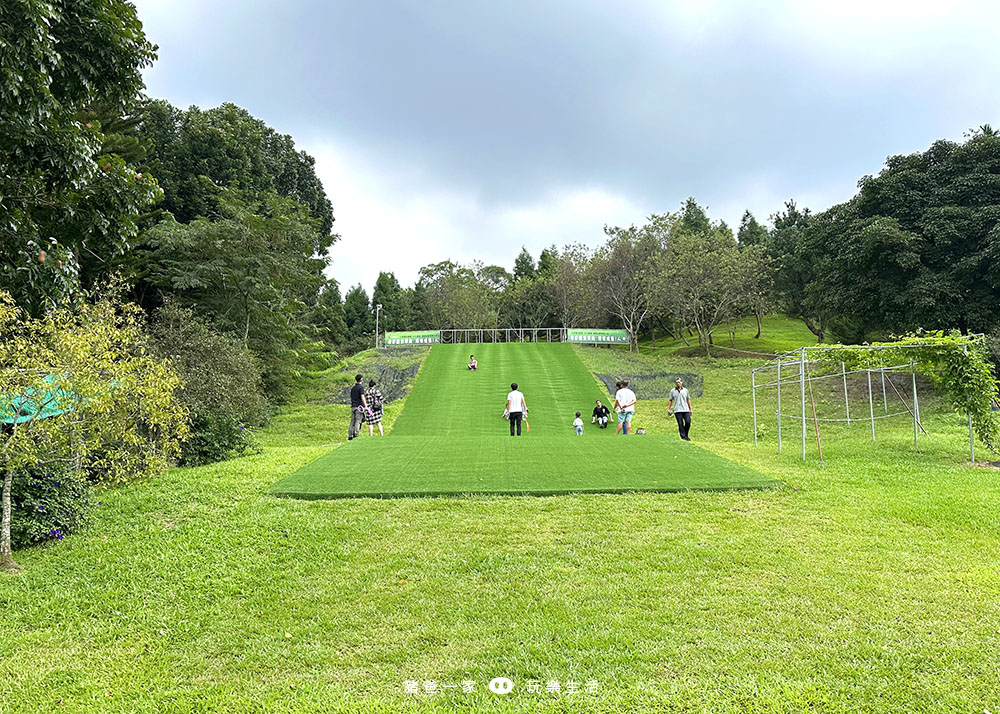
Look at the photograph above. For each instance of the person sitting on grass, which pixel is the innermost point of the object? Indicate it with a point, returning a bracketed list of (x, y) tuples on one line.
[(578, 425), (472, 362), (600, 415)]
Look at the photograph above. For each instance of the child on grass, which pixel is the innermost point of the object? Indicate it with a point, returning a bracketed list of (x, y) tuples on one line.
[(578, 425)]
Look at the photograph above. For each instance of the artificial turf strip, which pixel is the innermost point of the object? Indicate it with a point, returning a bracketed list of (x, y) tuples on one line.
[(451, 439)]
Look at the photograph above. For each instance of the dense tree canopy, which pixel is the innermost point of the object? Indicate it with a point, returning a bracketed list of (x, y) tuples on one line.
[(63, 195)]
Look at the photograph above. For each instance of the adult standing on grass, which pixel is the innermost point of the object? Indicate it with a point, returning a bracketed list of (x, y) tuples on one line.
[(359, 405), (374, 399), (516, 408), (625, 406), (680, 406)]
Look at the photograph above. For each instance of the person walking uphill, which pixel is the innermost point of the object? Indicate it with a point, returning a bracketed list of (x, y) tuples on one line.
[(680, 406), (516, 408), (359, 405)]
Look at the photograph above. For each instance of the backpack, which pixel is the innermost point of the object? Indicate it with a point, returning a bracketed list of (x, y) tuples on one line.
[(376, 401)]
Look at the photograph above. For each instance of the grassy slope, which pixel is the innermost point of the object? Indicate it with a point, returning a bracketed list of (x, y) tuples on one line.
[(450, 439), (778, 334), (868, 585)]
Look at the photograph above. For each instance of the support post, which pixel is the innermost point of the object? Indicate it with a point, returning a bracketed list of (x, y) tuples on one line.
[(802, 388), (916, 412), (871, 404), (753, 392), (779, 406), (847, 407), (972, 438), (885, 400)]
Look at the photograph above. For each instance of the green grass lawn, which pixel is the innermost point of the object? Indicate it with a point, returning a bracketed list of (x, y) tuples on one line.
[(778, 334), (451, 438), (869, 584)]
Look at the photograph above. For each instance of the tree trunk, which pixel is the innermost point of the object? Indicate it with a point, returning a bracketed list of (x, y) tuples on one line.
[(6, 554), (814, 328), (757, 336)]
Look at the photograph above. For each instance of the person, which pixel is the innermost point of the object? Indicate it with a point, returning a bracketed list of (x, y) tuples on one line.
[(516, 408), (680, 406), (600, 415), (578, 425), (374, 399), (472, 362), (359, 405), (625, 406)]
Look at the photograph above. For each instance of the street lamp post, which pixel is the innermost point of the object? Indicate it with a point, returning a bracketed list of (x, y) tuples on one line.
[(378, 308)]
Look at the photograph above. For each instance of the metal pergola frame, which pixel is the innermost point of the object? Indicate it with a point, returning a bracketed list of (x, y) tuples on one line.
[(800, 359)]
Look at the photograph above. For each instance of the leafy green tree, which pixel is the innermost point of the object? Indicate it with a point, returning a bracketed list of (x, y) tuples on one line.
[(693, 218), (524, 265), (330, 313), (574, 291), (797, 260), (418, 316), (221, 384), (700, 278), (59, 177), (252, 273), (751, 232), (389, 295), (919, 245), (620, 270), (77, 385), (198, 152), (358, 313), (547, 262)]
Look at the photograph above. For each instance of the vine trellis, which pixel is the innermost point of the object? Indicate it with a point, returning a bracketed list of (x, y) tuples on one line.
[(958, 365)]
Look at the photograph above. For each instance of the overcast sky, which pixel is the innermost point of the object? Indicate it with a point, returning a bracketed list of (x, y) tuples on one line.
[(461, 130)]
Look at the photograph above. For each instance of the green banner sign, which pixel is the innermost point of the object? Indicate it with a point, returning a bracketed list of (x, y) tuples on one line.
[(407, 339), (598, 337)]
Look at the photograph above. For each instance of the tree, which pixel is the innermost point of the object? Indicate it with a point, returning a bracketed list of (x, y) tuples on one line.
[(330, 313), (919, 245), (751, 232), (358, 313), (547, 262), (77, 385), (59, 59), (620, 270), (389, 295), (797, 267), (693, 218), (700, 279), (198, 152), (255, 276), (524, 265), (573, 290)]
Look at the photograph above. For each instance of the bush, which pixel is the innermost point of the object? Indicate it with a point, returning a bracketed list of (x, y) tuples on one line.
[(47, 503), (222, 385)]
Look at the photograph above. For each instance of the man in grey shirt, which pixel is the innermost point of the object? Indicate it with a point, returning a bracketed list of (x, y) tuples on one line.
[(680, 407)]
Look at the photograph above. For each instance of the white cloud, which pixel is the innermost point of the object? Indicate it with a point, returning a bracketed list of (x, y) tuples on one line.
[(392, 220)]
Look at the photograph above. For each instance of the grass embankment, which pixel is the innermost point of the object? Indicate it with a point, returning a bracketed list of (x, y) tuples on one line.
[(451, 438), (779, 334), (867, 585)]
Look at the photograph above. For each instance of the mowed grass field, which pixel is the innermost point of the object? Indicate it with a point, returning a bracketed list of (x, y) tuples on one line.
[(869, 584), (451, 438)]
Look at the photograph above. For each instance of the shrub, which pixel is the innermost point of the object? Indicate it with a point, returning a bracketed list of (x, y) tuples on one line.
[(47, 503), (222, 384)]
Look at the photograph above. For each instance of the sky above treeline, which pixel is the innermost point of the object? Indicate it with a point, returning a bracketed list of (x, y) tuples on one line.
[(463, 130)]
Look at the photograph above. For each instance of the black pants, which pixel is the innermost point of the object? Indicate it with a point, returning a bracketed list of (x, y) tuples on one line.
[(683, 424), (515, 417)]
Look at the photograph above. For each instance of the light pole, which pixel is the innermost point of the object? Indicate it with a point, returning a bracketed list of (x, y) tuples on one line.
[(378, 308)]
